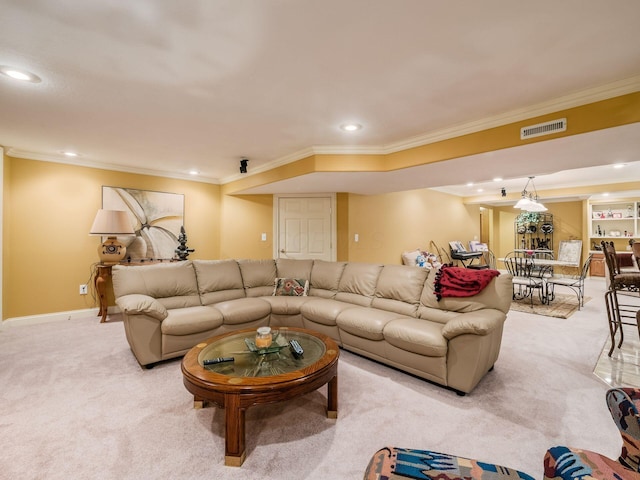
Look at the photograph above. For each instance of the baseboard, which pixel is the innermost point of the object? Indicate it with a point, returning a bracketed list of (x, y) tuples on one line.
[(55, 317)]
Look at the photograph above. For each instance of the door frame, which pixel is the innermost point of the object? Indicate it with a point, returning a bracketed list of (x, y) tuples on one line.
[(332, 220)]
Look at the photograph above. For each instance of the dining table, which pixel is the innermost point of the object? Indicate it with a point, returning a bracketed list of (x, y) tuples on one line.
[(547, 262)]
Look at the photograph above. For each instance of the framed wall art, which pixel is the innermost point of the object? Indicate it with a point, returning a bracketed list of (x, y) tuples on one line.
[(156, 218)]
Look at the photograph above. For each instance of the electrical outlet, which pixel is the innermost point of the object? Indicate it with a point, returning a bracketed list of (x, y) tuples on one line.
[(83, 289)]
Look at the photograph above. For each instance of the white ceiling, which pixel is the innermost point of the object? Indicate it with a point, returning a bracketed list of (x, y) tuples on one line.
[(165, 87)]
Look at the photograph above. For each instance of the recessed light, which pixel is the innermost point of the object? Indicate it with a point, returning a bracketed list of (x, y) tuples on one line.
[(194, 172), (480, 190), (350, 127), (470, 184), (19, 74), (497, 179), (70, 154), (619, 165), (605, 194)]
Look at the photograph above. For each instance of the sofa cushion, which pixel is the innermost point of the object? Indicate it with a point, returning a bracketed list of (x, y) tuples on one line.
[(290, 268), (173, 284), (186, 321), (402, 283), (365, 322), (417, 336), (290, 287), (244, 310), (495, 295), (324, 310), (435, 314), (358, 283), (286, 305), (218, 280), (325, 278), (258, 276), (399, 288)]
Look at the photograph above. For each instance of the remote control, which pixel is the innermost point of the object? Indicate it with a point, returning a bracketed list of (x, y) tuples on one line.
[(214, 361), (296, 349)]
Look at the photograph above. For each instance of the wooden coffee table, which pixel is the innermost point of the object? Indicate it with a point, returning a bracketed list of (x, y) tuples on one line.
[(258, 378)]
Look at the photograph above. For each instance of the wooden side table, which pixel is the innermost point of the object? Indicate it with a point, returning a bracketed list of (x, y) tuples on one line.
[(103, 272)]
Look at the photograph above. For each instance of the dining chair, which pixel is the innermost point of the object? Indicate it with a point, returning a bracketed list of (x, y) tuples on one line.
[(542, 271), (628, 285), (574, 282), (489, 259), (635, 254), (525, 279)]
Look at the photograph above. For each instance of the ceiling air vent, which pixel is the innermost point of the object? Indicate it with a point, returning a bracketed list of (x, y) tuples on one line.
[(545, 128)]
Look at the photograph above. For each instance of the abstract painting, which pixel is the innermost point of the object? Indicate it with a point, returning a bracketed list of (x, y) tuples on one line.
[(156, 217)]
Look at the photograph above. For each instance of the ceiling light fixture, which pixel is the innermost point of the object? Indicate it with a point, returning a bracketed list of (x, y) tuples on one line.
[(19, 74), (351, 127), (529, 201), (69, 154), (618, 165), (193, 172), (497, 179)]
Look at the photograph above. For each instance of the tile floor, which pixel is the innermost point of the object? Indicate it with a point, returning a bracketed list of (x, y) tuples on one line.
[(623, 367)]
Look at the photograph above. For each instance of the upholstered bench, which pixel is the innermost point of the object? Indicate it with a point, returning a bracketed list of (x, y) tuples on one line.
[(392, 463)]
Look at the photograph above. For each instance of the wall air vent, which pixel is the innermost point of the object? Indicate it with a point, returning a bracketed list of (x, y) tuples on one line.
[(546, 128)]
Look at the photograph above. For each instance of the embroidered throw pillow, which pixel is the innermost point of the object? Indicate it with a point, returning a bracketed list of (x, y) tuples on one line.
[(292, 287)]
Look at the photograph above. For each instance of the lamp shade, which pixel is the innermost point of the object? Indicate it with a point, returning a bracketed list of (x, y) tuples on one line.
[(529, 202), (110, 223), (523, 203), (536, 207)]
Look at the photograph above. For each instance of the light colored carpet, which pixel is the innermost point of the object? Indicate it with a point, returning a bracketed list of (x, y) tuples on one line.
[(75, 404), (562, 306)]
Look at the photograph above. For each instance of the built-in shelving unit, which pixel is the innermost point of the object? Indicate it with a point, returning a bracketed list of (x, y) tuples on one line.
[(617, 220)]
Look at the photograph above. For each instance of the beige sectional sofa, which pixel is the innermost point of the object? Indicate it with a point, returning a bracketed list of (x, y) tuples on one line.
[(389, 313)]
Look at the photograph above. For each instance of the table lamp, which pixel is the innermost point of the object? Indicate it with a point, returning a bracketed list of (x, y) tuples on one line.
[(110, 223)]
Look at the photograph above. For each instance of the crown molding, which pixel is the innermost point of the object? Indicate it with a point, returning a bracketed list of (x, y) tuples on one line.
[(583, 97), (577, 99), (81, 162)]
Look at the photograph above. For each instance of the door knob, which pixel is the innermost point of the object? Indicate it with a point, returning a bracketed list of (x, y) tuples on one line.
[(282, 250)]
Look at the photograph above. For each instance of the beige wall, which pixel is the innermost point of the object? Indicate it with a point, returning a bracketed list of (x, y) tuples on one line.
[(568, 221), (243, 220), (49, 209), (390, 224)]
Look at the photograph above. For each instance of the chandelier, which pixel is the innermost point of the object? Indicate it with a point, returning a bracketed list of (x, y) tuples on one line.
[(529, 201)]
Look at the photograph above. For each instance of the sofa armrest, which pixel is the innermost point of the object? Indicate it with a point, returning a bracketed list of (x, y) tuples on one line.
[(137, 304), (565, 463), (480, 322)]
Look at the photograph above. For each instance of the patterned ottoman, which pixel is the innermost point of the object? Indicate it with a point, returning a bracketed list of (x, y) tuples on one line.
[(392, 463)]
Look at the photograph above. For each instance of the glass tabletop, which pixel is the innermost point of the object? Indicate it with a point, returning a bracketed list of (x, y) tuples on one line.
[(251, 362)]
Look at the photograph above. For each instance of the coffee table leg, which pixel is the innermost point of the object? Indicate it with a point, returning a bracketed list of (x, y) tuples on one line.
[(332, 398), (235, 453), (198, 402)]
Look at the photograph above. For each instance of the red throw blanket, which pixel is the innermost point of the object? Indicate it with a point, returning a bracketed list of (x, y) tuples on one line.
[(462, 282)]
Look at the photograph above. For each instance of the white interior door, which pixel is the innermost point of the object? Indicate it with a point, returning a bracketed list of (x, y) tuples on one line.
[(305, 227)]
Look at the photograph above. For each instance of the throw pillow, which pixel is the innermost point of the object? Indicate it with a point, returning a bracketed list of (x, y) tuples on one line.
[(292, 287), (409, 258)]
